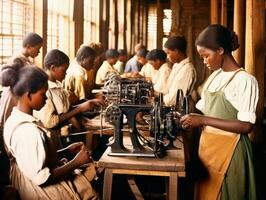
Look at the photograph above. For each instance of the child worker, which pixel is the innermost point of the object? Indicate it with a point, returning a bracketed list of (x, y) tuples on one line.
[(57, 113), (31, 45), (111, 56), (157, 59), (35, 170), (76, 81), (228, 104)]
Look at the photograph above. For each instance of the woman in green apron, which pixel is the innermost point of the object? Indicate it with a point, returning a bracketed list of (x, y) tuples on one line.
[(228, 104)]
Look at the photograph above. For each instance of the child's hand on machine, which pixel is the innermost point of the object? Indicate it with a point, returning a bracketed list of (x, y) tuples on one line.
[(90, 104)]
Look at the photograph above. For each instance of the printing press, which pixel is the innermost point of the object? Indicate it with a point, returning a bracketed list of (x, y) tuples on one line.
[(130, 96)]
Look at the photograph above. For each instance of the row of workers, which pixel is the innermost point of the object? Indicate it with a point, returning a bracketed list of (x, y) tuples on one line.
[(226, 115)]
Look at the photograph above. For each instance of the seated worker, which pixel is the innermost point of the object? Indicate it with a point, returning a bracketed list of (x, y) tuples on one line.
[(57, 109), (31, 45), (76, 81), (100, 57), (111, 57), (183, 74), (99, 50), (122, 58), (133, 64), (157, 59), (36, 171), (145, 69)]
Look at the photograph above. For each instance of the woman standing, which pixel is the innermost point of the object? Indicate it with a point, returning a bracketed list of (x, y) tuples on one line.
[(228, 104)]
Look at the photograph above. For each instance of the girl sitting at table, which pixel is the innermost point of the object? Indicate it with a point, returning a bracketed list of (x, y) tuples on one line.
[(35, 170)]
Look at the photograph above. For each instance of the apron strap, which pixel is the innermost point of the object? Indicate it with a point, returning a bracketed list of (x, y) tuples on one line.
[(213, 79), (232, 77)]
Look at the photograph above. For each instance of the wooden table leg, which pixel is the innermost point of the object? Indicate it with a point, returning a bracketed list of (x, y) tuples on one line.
[(173, 186), (107, 185)]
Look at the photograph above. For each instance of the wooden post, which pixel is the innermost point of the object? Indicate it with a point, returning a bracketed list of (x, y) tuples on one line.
[(125, 26), (40, 27), (190, 42), (214, 12), (116, 37), (159, 34), (176, 9), (146, 24), (224, 13), (104, 22), (129, 27), (239, 28), (145, 9), (78, 18), (255, 47)]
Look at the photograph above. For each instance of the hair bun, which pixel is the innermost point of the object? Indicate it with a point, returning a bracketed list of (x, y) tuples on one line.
[(234, 41), (9, 74)]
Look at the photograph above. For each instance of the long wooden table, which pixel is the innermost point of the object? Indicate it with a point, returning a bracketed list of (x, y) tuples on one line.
[(171, 166)]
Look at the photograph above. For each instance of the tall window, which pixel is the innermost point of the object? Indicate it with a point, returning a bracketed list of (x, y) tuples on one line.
[(16, 19), (167, 23), (91, 21), (59, 25), (152, 28)]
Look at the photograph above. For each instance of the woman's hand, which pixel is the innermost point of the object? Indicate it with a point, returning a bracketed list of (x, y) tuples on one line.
[(83, 157), (191, 120), (74, 148)]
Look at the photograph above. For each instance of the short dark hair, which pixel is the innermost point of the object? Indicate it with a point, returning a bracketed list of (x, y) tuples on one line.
[(176, 43), (23, 79), (156, 54), (142, 53), (85, 52), (55, 57), (122, 52), (32, 39), (111, 53)]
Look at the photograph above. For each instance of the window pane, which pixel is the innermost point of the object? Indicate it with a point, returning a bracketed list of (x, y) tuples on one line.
[(59, 23), (13, 26)]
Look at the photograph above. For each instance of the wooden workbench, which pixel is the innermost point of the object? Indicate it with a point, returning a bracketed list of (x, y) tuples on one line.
[(171, 166)]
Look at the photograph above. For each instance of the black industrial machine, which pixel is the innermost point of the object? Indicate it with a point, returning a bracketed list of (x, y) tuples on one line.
[(126, 98)]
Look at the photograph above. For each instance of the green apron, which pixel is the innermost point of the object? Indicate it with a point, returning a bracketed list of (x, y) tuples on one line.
[(226, 156)]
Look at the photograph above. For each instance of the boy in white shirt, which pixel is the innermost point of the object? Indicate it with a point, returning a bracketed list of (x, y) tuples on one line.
[(157, 59), (183, 74), (111, 57)]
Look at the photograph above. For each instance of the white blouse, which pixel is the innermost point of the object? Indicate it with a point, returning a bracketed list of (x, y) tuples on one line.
[(102, 72), (242, 92), (182, 76), (160, 79), (26, 143), (148, 71)]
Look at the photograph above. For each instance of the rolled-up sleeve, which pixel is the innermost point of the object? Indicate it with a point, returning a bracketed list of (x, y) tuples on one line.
[(248, 94)]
